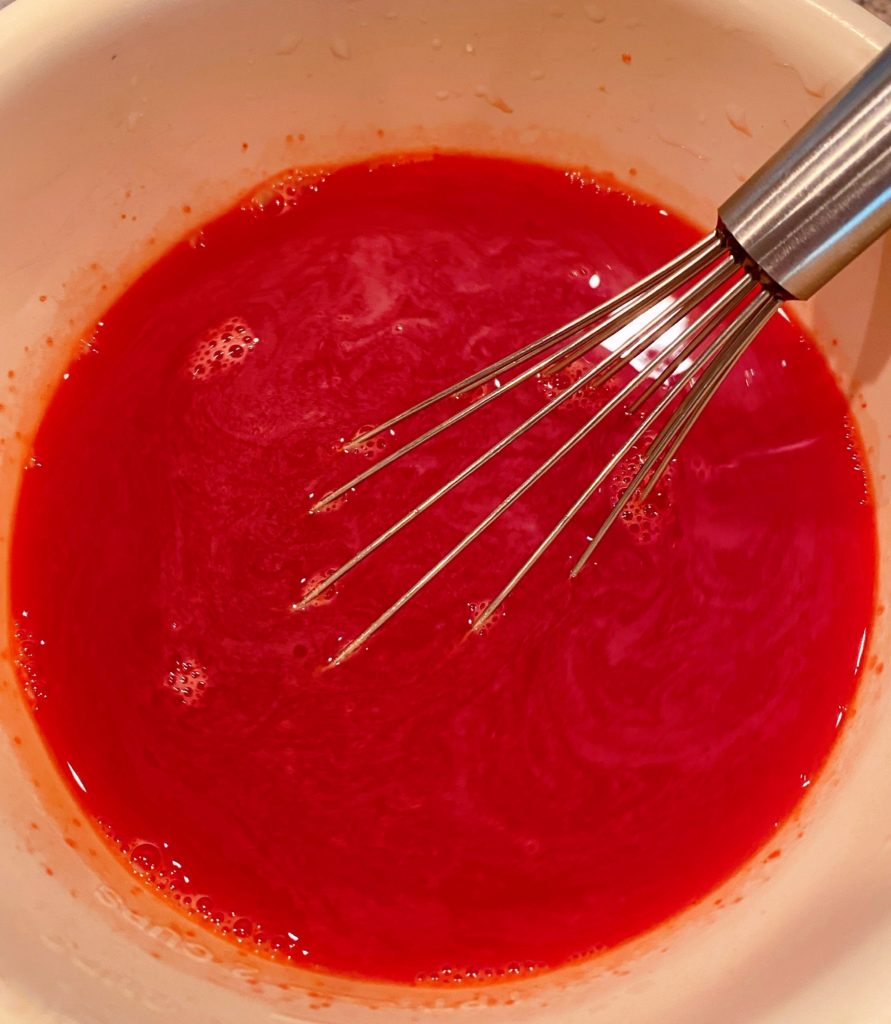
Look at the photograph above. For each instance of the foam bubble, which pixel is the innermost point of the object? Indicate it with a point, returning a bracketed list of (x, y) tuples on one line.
[(242, 927), (471, 974), (146, 857), (283, 193), (309, 583), (371, 447), (644, 518), (333, 504), (476, 609), (27, 655), (590, 397), (156, 866), (187, 680), (221, 348)]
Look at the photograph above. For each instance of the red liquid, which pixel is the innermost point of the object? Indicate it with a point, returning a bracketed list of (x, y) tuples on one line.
[(599, 760)]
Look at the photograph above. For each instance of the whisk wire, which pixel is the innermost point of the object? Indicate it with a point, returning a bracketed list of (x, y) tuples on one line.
[(638, 343), (711, 353), (734, 341), (484, 524), (698, 332), (689, 339), (666, 278), (760, 316), (590, 338), (673, 276), (776, 244)]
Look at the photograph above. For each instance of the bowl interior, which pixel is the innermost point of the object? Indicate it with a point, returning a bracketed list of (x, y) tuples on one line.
[(134, 122)]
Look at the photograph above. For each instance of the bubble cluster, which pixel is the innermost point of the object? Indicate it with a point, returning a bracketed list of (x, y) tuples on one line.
[(476, 609), (855, 454), (158, 868), (308, 585), (283, 193), (472, 975), (370, 447), (27, 654), (221, 348), (590, 397), (329, 506), (644, 518), (154, 863), (188, 681)]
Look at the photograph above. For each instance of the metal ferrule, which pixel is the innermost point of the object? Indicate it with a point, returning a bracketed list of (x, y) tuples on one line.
[(826, 195)]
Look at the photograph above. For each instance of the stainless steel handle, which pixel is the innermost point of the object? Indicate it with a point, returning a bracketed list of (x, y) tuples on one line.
[(826, 195)]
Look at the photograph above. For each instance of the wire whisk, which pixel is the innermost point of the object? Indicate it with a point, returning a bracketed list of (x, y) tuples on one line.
[(802, 217)]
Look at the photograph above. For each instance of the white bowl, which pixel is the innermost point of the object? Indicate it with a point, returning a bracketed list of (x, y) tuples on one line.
[(116, 115)]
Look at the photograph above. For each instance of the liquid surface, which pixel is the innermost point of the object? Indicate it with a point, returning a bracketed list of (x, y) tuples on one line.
[(597, 761)]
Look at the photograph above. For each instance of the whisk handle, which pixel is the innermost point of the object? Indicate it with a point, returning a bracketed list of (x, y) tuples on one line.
[(826, 195)]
